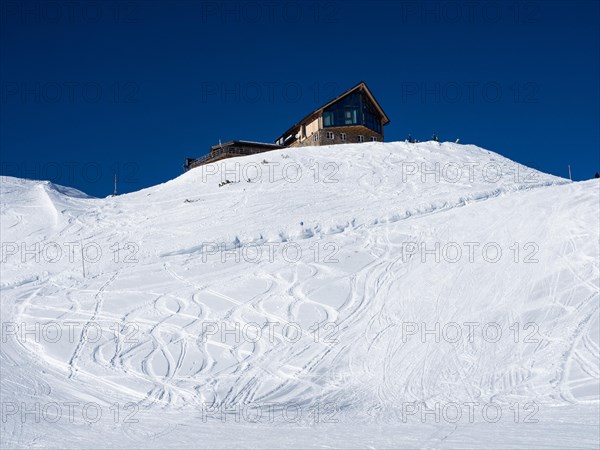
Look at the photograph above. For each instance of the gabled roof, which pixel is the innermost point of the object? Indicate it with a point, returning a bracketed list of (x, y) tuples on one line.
[(360, 86)]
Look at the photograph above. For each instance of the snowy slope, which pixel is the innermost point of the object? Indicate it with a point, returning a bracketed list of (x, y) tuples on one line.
[(357, 278)]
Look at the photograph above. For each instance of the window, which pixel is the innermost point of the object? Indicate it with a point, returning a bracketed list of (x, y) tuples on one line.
[(354, 109), (315, 137), (343, 136), (350, 117), (373, 139), (329, 135), (361, 138)]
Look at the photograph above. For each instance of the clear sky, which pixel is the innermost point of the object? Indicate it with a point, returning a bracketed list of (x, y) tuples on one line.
[(136, 86)]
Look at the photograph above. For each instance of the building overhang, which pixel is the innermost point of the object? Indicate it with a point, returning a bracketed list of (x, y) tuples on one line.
[(291, 132)]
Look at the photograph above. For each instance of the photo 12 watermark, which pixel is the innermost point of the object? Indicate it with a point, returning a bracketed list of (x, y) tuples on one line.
[(69, 412), (270, 12), (288, 252), (469, 252), (70, 172), (267, 92), (69, 92), (69, 12), (469, 92), (71, 252), (469, 332), (271, 412), (466, 171), (269, 171), (467, 412)]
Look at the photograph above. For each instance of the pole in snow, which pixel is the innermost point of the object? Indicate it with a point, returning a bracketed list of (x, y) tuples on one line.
[(570, 173), (115, 191)]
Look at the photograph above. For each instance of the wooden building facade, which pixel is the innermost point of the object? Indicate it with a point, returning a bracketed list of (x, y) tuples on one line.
[(353, 117)]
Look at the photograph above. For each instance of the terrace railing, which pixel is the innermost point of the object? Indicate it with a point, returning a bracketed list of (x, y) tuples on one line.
[(216, 154)]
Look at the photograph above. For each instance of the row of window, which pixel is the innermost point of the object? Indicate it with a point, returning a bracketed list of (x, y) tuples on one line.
[(343, 137), (354, 109)]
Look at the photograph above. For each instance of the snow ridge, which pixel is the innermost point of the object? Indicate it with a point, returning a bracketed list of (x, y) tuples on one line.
[(383, 272)]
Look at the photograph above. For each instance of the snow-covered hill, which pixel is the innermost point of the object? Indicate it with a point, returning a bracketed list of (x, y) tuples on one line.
[(321, 288)]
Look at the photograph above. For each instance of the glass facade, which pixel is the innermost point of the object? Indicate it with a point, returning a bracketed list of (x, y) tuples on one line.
[(354, 109)]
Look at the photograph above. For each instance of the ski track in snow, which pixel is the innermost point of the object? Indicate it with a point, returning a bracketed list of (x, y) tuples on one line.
[(164, 359)]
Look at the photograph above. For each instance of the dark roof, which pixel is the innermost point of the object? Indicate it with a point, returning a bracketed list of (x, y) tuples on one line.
[(246, 144), (362, 85)]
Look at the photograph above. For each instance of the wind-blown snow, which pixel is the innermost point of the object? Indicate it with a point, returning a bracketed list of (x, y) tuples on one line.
[(374, 245)]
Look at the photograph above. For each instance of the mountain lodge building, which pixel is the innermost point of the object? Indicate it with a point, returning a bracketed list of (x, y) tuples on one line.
[(353, 117)]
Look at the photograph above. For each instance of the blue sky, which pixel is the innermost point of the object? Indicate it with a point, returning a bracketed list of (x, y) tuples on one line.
[(136, 86)]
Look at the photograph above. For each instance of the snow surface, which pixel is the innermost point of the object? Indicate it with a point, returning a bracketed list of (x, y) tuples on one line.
[(368, 284)]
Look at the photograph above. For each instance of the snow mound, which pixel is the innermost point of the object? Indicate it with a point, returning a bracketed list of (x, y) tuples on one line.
[(363, 276)]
